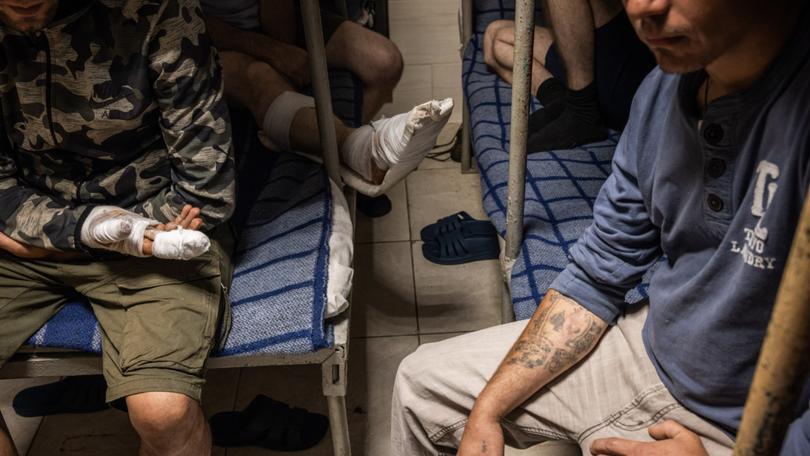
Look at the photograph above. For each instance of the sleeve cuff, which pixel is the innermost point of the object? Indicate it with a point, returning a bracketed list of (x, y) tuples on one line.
[(599, 300)]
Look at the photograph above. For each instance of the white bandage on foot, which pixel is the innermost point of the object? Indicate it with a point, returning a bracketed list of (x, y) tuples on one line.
[(279, 118), (180, 244), (396, 145), (118, 230)]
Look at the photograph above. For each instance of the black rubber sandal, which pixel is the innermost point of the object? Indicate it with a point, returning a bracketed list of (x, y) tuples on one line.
[(80, 394), (457, 247), (455, 222), (269, 424)]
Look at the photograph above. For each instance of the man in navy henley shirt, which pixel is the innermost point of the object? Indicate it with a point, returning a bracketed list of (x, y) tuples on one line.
[(710, 174)]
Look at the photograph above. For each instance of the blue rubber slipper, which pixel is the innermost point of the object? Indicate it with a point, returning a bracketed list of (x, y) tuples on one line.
[(454, 223), (458, 247)]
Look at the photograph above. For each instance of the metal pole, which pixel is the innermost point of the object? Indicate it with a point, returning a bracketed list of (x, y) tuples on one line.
[(785, 358), (313, 32), (467, 19), (522, 75), (339, 425)]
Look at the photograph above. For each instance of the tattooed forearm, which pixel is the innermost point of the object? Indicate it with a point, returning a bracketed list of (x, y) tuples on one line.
[(559, 335)]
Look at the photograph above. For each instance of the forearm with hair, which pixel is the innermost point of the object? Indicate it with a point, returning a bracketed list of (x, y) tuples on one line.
[(560, 333)]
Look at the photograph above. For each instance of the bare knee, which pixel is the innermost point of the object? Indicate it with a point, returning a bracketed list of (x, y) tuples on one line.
[(498, 38), (389, 63), (164, 419)]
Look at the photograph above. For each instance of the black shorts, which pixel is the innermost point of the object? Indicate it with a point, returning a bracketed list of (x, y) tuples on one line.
[(622, 61)]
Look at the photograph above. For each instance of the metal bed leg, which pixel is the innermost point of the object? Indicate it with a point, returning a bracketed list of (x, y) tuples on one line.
[(313, 32), (785, 359), (466, 141), (334, 388), (522, 70), (467, 19)]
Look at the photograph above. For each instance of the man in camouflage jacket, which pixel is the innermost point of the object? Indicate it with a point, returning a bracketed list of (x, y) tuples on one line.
[(117, 103)]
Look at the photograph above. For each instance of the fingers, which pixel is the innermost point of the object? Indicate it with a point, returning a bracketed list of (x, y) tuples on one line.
[(147, 246), (668, 429), (613, 447), (187, 218)]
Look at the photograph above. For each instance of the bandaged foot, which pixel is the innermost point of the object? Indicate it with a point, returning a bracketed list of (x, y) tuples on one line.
[(118, 230), (393, 147)]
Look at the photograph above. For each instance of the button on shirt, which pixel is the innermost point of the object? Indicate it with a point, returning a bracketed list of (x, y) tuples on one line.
[(721, 201)]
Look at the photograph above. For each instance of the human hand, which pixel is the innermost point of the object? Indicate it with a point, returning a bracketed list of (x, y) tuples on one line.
[(482, 436), (672, 440), (30, 252), (189, 219)]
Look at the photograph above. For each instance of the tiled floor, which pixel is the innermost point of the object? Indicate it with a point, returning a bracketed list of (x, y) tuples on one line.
[(400, 299)]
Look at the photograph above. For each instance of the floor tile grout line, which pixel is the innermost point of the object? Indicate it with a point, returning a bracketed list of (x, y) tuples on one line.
[(413, 265)]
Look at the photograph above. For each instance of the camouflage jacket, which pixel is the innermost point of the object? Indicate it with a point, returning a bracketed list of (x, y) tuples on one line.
[(116, 102)]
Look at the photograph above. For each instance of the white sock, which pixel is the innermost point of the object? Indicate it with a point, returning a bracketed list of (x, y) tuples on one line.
[(180, 244), (279, 118), (397, 144)]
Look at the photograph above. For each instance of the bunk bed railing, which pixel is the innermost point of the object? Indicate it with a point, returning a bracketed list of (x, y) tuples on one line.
[(521, 96), (784, 361), (466, 28), (334, 369)]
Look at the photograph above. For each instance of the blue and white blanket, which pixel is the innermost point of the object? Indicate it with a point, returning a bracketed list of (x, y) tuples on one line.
[(279, 290), (561, 185)]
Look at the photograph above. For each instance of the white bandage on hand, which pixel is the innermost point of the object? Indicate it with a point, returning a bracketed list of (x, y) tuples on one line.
[(180, 244), (118, 230)]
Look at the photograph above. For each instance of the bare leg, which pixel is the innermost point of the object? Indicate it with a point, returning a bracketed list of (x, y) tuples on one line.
[(6, 445), (499, 51), (367, 54), (575, 40), (573, 28), (370, 151), (169, 424), (255, 85), (370, 56)]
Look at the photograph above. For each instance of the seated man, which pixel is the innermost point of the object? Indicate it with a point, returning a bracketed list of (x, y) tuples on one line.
[(712, 171), (116, 147), (591, 46), (262, 73)]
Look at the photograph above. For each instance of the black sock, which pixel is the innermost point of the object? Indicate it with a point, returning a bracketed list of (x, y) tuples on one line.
[(551, 94), (578, 123), (550, 90)]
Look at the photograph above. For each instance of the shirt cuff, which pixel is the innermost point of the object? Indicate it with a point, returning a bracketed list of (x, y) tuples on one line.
[(604, 302)]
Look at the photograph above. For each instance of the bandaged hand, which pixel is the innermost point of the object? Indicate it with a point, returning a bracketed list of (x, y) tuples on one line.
[(118, 230)]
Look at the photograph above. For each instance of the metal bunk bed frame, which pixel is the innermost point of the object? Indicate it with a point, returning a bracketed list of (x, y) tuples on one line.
[(28, 363)]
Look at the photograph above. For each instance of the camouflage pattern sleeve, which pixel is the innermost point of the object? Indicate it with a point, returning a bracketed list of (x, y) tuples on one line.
[(187, 81), (29, 216)]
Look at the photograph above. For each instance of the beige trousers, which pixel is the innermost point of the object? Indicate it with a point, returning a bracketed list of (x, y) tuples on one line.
[(614, 392)]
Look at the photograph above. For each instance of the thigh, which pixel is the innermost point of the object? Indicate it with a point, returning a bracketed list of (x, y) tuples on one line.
[(160, 319), (30, 295)]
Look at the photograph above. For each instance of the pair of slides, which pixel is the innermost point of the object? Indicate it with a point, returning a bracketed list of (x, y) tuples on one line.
[(458, 239)]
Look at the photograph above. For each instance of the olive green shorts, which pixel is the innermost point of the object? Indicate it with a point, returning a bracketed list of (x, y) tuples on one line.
[(159, 319)]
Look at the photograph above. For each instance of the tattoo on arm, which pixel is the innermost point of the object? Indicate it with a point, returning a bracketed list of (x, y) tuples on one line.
[(559, 335)]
